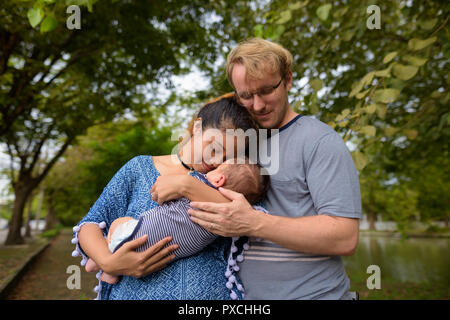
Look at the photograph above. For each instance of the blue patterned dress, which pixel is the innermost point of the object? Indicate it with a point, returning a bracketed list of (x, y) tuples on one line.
[(201, 276)]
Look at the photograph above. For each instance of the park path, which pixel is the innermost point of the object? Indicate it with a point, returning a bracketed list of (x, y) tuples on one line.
[(46, 277)]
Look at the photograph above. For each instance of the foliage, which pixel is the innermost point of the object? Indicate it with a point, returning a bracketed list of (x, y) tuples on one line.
[(55, 83), (77, 181), (385, 90)]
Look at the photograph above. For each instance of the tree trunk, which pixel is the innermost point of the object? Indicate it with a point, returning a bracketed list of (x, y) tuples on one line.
[(27, 221), (22, 191), (37, 218), (50, 220), (371, 216)]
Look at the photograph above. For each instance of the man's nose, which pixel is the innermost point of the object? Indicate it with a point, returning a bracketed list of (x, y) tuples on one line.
[(258, 103)]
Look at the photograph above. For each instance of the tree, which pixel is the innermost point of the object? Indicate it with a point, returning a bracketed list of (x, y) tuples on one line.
[(92, 162), (55, 83), (385, 90)]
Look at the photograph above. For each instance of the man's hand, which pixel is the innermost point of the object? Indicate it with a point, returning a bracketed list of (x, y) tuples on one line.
[(235, 218)]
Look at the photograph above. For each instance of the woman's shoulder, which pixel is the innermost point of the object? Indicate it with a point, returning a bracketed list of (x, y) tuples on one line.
[(141, 160), (139, 165)]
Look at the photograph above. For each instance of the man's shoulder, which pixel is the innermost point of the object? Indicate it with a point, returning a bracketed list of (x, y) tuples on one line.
[(312, 129)]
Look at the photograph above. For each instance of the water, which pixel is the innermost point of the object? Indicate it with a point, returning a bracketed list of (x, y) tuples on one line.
[(419, 260)]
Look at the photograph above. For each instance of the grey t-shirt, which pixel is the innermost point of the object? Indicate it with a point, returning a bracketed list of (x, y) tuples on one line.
[(316, 175)]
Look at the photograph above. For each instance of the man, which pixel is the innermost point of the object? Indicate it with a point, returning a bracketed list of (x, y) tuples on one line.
[(314, 199)]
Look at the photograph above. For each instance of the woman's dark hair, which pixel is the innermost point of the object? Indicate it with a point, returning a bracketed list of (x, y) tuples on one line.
[(225, 112)]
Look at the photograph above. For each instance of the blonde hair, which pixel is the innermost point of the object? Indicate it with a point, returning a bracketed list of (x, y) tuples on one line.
[(259, 57)]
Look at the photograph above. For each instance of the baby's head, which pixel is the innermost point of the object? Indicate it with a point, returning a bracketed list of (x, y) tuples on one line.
[(244, 178)]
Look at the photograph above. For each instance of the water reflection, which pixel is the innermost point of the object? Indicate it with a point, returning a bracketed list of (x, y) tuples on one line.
[(416, 259)]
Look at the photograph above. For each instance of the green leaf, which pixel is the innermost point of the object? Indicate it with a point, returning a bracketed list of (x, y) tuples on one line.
[(348, 35), (411, 133), (342, 115), (323, 11), (383, 73), (356, 88), (416, 44), (258, 31), (428, 24), (388, 58), (416, 61), (343, 124), (297, 5), (49, 23), (390, 131), (285, 16), (404, 72), (35, 16), (360, 160), (381, 110), (314, 108), (385, 95), (435, 94), (345, 112), (316, 84), (274, 32), (362, 94), (371, 108), (368, 130), (367, 79)]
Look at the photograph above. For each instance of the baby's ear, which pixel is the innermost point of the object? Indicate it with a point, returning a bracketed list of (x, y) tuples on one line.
[(221, 182)]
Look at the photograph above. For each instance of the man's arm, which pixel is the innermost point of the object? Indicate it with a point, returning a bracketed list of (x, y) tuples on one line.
[(319, 234)]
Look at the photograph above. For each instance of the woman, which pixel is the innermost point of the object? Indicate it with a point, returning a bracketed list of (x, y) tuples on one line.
[(197, 277)]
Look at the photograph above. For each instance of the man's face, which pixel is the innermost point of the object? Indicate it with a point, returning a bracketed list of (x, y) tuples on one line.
[(268, 110)]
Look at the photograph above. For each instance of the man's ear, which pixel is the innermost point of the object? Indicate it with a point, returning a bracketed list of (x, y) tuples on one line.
[(288, 80)]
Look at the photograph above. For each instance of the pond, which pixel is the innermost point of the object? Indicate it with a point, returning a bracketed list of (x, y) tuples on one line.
[(418, 260)]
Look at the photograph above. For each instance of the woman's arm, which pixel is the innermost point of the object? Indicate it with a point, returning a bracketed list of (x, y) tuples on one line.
[(112, 204), (170, 187)]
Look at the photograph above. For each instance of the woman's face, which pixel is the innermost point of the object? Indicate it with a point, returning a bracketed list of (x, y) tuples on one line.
[(211, 147)]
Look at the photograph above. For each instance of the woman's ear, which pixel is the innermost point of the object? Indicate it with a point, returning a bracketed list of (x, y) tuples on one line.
[(197, 128)]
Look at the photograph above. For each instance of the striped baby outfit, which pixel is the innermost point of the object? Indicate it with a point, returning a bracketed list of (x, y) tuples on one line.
[(172, 219)]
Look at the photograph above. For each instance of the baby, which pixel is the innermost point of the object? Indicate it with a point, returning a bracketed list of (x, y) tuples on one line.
[(172, 217)]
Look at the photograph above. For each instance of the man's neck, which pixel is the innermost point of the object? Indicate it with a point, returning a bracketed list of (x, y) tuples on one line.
[(290, 114)]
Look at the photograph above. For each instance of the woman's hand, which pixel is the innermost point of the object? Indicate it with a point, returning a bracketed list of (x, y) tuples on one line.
[(168, 187), (235, 218), (127, 261)]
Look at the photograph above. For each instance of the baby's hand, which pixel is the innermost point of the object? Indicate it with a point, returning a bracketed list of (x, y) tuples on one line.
[(106, 277)]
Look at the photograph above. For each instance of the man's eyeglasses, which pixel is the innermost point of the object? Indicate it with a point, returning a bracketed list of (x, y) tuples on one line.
[(247, 97)]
